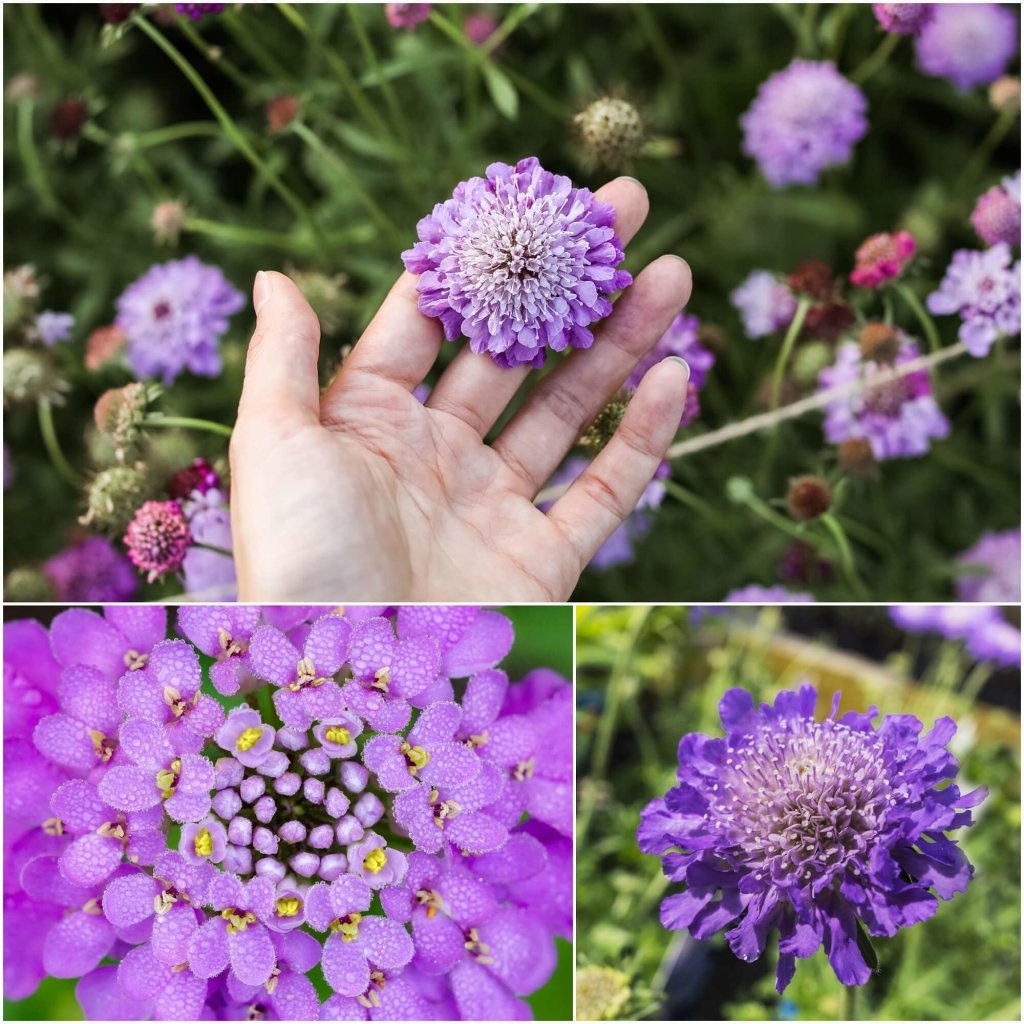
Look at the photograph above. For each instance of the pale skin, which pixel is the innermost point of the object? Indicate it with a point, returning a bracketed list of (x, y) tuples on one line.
[(360, 493)]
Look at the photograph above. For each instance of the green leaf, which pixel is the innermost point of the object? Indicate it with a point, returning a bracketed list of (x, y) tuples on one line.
[(502, 91), (867, 950)]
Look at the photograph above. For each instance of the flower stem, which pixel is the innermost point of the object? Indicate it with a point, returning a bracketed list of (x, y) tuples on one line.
[(215, 550), (846, 559), (877, 60), (187, 421), (849, 1002), (927, 323), (242, 235), (795, 326), (213, 54), (980, 157), (174, 132), (395, 110), (52, 444)]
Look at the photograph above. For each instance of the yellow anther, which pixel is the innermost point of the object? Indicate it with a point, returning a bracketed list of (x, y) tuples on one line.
[(164, 901), (248, 738), (477, 741), (524, 770), (232, 648), (431, 899), (382, 679), (103, 747), (174, 700), (347, 927), (237, 920), (167, 778), (53, 827), (203, 843), (271, 983), (92, 907), (375, 861), (111, 830), (288, 906), (477, 949), (415, 757), (338, 734), (444, 809), (178, 968), (134, 660)]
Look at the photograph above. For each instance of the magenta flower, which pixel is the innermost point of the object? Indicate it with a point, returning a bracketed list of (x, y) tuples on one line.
[(996, 215), (406, 15), (882, 257), (970, 44), (158, 538), (519, 261), (903, 19)]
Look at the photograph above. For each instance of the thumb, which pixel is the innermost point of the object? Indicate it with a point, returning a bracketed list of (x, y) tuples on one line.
[(281, 378)]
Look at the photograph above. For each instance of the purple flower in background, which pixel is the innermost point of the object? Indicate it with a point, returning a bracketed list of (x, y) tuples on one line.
[(765, 303), (52, 327), (284, 833), (970, 44), (996, 215), (983, 289), (406, 15), (804, 118), (519, 262), (814, 828), (197, 11), (209, 574), (983, 630), (991, 569), (903, 19), (754, 593), (91, 570), (899, 418), (174, 316), (681, 339)]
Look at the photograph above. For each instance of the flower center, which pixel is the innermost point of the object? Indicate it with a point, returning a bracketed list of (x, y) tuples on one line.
[(232, 648), (167, 778), (382, 679), (477, 948), (338, 734), (375, 861), (415, 757), (305, 675), (523, 770), (288, 906), (248, 738), (103, 746), (134, 660), (443, 809), (887, 399), (431, 899), (347, 927), (203, 843), (370, 998), (238, 920), (161, 310)]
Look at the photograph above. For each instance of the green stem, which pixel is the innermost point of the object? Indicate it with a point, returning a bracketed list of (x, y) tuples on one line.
[(187, 421), (211, 53), (980, 157), (795, 326), (52, 444), (215, 550), (846, 559), (927, 323), (253, 47), (174, 132), (242, 235), (228, 124), (395, 110), (849, 1002), (656, 40), (878, 58), (34, 167)]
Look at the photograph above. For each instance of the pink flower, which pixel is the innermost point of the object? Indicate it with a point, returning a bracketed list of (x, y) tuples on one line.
[(157, 538), (406, 15), (882, 257)]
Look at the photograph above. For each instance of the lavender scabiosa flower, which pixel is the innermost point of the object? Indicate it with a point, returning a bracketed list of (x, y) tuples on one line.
[(983, 288), (804, 118), (903, 19), (899, 418), (996, 215), (174, 316), (764, 302), (754, 593), (815, 828), (682, 339), (52, 327), (984, 632), (992, 569), (289, 843), (208, 568), (970, 44), (91, 570), (519, 261)]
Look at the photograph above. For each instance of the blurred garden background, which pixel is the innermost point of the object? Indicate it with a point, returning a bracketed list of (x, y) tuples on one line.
[(646, 676), (311, 138), (543, 638)]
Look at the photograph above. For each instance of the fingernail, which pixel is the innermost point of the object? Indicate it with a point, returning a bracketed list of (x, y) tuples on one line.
[(262, 288), (627, 177), (682, 362)]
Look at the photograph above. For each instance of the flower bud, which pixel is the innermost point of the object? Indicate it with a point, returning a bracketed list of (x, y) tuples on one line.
[(878, 342), (809, 360), (113, 496), (26, 584), (812, 278), (856, 457), (281, 111), (607, 421), (809, 497), (120, 413), (115, 14), (200, 476), (1004, 93), (612, 132), (167, 221), (830, 320), (30, 375), (67, 119), (102, 345)]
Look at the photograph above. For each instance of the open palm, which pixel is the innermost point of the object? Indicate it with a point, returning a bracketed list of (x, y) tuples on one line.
[(362, 493)]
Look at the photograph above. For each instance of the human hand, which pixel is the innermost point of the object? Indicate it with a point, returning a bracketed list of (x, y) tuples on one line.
[(363, 493)]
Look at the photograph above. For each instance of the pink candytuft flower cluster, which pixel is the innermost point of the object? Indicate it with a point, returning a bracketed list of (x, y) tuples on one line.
[(882, 257), (364, 792)]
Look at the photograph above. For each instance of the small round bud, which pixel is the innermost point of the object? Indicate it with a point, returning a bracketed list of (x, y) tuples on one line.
[(601, 992), (1004, 93), (281, 111), (29, 375), (167, 221), (612, 132), (115, 14), (113, 496), (809, 497), (26, 584), (25, 86), (202, 477), (878, 342), (812, 278), (856, 457), (607, 421), (67, 119), (810, 359)]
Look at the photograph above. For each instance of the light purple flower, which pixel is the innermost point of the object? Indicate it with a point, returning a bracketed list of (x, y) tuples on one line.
[(983, 289), (814, 828), (222, 632), (754, 593), (174, 316), (764, 302), (91, 570), (52, 327), (209, 574), (899, 418), (996, 215), (991, 569), (519, 262), (903, 19), (804, 118), (970, 44), (981, 627), (406, 15), (682, 339)]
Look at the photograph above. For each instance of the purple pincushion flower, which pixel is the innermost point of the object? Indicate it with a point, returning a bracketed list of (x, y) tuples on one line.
[(91, 570), (814, 828), (52, 327), (209, 574), (519, 261), (174, 316), (970, 44), (981, 627), (996, 215), (983, 288), (682, 339), (899, 418), (764, 303), (804, 118), (992, 569), (903, 19), (756, 594)]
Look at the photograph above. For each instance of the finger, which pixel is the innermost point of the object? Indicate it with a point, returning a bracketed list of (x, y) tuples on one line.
[(400, 344), (280, 369), (473, 387), (560, 406), (609, 488)]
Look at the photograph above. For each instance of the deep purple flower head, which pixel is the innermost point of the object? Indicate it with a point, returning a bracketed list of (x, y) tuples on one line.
[(764, 303), (406, 15), (983, 289), (996, 215), (174, 316), (681, 339), (804, 118), (52, 327), (519, 261), (991, 569), (92, 570), (970, 44), (197, 11), (814, 828), (157, 538), (899, 418), (292, 845), (903, 19)]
